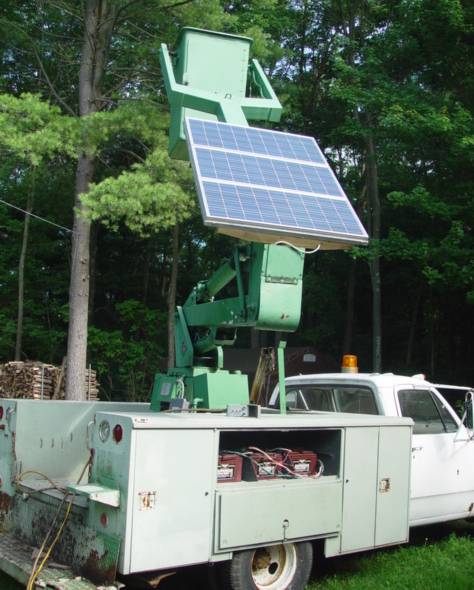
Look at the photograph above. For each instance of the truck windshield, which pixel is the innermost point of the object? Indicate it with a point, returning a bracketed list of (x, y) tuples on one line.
[(330, 398)]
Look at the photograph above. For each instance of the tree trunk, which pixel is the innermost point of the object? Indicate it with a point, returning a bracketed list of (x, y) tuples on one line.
[(99, 18), (349, 327), (433, 337), (94, 236), (412, 329), (21, 276), (374, 262), (172, 296), (146, 270)]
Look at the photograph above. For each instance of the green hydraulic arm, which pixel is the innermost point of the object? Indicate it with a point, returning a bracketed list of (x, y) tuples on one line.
[(267, 285), (260, 285)]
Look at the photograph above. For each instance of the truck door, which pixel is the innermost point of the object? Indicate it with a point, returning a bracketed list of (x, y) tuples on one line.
[(442, 481)]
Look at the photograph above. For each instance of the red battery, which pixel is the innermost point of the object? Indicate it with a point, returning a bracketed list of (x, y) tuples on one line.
[(229, 468), (262, 466), (302, 463)]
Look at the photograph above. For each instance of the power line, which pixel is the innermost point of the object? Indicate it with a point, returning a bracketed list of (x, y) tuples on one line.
[(35, 216)]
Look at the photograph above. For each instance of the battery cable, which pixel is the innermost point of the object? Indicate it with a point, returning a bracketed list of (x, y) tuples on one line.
[(302, 250)]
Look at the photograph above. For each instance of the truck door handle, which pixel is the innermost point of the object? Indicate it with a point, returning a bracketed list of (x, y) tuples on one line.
[(416, 449)]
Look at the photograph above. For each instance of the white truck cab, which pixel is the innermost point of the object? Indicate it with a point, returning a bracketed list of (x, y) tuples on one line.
[(442, 475)]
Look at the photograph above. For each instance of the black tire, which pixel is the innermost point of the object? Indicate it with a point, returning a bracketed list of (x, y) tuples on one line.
[(275, 567)]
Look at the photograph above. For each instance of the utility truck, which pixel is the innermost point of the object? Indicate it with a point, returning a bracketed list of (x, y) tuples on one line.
[(442, 452), (92, 492)]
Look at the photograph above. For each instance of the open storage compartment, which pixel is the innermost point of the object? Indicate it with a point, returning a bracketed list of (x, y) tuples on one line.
[(280, 506), (255, 455)]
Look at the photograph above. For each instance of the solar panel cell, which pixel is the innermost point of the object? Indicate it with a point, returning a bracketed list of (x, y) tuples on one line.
[(269, 181), (263, 171), (278, 209), (255, 141)]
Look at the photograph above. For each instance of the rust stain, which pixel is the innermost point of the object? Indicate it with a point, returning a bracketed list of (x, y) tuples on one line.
[(5, 502), (64, 551), (5, 507), (95, 571), (14, 445)]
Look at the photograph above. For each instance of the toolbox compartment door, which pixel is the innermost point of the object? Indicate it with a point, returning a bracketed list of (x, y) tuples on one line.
[(171, 504), (254, 513)]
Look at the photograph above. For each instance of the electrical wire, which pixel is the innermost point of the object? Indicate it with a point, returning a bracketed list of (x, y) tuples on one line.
[(277, 463), (247, 455), (291, 473), (35, 216), (302, 250), (43, 476), (38, 568)]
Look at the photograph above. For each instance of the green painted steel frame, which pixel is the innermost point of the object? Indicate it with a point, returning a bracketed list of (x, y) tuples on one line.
[(219, 89), (209, 78)]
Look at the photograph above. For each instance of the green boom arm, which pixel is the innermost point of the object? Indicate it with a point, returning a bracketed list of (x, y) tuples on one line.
[(263, 285)]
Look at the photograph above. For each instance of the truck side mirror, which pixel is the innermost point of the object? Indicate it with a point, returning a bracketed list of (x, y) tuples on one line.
[(468, 415)]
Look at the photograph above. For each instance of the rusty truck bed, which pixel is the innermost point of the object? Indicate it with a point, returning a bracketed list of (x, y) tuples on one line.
[(16, 560)]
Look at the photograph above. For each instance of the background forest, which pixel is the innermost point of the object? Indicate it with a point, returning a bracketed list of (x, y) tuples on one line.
[(385, 87)]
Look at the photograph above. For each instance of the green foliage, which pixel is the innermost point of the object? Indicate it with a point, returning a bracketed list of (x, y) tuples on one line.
[(421, 200), (32, 129), (132, 120), (153, 195), (127, 357)]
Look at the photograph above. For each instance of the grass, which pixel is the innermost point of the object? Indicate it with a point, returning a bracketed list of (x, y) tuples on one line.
[(438, 557), (445, 565)]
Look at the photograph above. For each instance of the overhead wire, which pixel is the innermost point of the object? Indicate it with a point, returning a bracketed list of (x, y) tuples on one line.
[(36, 216)]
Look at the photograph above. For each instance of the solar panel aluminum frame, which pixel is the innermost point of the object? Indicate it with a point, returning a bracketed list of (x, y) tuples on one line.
[(265, 231)]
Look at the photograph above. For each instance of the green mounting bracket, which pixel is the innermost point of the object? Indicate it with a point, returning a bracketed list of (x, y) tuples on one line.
[(281, 375), (97, 493), (208, 78)]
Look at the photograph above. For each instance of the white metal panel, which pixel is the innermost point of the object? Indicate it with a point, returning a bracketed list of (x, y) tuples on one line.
[(304, 420), (442, 481), (270, 512), (443, 477), (440, 508), (360, 488), (175, 475), (393, 485)]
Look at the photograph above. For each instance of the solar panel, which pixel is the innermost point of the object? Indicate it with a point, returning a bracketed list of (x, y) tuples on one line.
[(270, 185)]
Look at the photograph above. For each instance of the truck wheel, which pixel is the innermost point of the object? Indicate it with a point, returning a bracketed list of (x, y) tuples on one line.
[(275, 567)]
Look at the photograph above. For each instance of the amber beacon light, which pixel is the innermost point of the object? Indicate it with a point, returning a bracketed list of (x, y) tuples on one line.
[(349, 364)]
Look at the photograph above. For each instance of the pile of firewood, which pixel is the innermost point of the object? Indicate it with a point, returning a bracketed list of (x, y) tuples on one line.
[(35, 380)]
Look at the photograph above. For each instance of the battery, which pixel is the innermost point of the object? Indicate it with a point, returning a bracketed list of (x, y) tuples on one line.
[(302, 463), (229, 468), (259, 466)]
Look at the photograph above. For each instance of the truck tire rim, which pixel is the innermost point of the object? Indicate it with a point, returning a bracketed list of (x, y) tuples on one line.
[(273, 568)]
